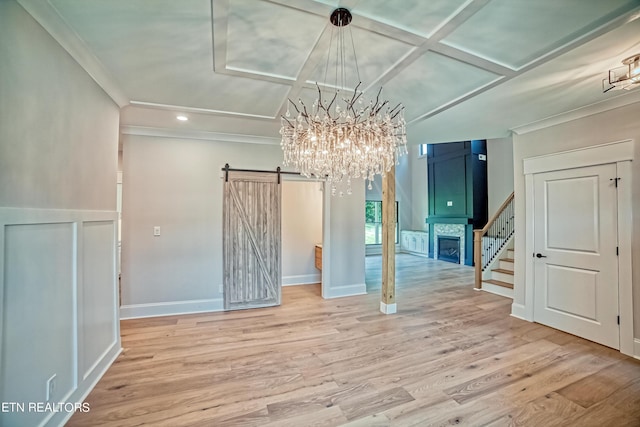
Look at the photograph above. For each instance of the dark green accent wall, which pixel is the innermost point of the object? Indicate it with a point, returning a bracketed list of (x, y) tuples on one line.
[(458, 188)]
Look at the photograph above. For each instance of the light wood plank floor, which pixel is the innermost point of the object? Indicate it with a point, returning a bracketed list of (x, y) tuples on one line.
[(451, 355)]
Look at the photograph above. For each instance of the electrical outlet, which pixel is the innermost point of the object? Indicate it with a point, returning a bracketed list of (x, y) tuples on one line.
[(51, 386), (220, 290)]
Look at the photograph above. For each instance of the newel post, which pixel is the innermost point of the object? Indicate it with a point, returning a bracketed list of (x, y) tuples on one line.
[(477, 257), (388, 301)]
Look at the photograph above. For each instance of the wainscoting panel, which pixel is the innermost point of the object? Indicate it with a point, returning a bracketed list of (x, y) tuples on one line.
[(38, 339), (58, 297), (98, 292)]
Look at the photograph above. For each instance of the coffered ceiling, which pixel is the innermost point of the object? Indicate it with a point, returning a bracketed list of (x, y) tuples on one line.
[(462, 68)]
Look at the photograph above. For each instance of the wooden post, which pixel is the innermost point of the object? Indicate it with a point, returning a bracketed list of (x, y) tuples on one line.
[(477, 257), (388, 302)]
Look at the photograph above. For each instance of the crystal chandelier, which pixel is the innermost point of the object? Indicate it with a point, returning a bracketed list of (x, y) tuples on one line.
[(341, 138)]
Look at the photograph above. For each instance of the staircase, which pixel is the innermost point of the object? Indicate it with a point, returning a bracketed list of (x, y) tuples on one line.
[(500, 279), (493, 254)]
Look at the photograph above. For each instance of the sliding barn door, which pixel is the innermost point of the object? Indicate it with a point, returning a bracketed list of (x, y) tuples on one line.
[(252, 241)]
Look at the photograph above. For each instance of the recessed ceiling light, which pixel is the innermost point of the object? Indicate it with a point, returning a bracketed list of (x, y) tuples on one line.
[(182, 118)]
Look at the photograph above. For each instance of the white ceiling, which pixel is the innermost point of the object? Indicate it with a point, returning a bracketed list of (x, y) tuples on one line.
[(462, 68)]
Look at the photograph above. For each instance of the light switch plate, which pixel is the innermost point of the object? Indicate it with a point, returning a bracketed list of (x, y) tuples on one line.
[(156, 230)]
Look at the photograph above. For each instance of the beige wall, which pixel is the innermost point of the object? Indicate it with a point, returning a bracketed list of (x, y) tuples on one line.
[(177, 184), (58, 129), (499, 172), (614, 125), (301, 230), (419, 190)]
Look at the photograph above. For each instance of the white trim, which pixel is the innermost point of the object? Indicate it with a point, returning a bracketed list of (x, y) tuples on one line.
[(621, 153), (48, 17), (83, 379), (625, 262), (636, 345), (388, 308), (136, 311), (519, 311), (497, 290), (605, 153), (211, 111), (326, 242), (301, 279), (81, 393), (528, 301), (345, 291), (588, 110), (197, 134)]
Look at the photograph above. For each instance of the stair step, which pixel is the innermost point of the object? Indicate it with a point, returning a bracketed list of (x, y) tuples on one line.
[(499, 283), (502, 275), (505, 264), (511, 253)]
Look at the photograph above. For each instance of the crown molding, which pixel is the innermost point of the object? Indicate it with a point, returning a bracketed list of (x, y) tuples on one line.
[(48, 17), (578, 113), (197, 134), (185, 109)]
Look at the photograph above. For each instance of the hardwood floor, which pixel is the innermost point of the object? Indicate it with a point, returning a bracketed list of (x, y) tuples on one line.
[(451, 355)]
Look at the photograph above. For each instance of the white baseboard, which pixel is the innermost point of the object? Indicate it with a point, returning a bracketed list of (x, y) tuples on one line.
[(388, 308), (345, 291), (497, 290), (88, 384), (136, 311), (518, 310), (636, 348), (302, 279)]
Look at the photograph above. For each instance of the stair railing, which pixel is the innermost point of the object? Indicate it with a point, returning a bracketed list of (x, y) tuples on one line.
[(488, 241)]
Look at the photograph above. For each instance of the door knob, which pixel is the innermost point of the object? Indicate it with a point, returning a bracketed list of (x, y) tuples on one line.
[(540, 256)]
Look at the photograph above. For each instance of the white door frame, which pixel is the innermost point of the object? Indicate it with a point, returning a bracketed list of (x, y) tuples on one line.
[(620, 153)]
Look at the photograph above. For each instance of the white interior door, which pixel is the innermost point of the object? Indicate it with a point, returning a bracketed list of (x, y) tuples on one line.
[(576, 266), (252, 240)]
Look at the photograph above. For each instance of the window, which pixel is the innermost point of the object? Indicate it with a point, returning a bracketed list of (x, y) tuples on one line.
[(373, 222), (422, 150)]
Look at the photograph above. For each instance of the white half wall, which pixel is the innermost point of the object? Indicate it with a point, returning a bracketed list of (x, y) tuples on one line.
[(301, 231), (58, 163), (343, 250)]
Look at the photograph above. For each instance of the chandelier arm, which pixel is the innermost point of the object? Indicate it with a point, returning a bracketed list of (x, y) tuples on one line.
[(331, 103), (376, 103), (355, 96), (396, 114), (294, 105), (287, 120), (396, 107), (381, 107), (320, 104)]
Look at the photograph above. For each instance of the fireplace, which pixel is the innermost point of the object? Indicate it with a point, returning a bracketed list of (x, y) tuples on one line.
[(449, 249)]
